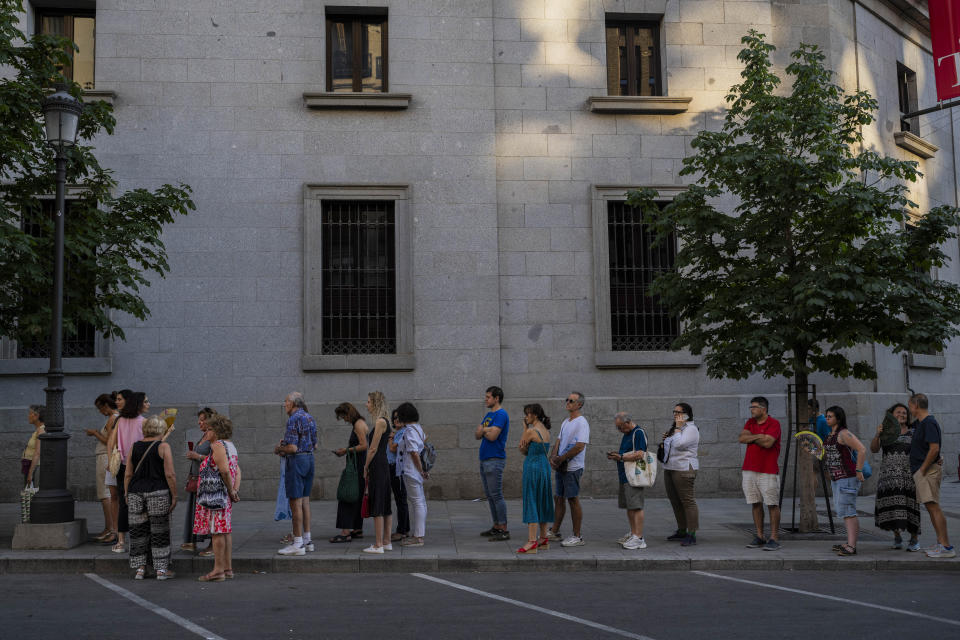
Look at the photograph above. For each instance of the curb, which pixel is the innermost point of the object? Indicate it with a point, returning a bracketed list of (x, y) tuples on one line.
[(197, 566)]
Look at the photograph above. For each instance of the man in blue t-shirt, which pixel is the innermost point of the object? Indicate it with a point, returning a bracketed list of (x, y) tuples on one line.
[(926, 465), (818, 422), (632, 444), (492, 434)]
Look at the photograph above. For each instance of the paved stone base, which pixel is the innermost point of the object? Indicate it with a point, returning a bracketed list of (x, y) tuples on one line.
[(58, 535)]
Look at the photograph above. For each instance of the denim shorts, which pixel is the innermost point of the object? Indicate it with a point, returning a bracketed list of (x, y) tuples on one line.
[(845, 497), (567, 485), (298, 476)]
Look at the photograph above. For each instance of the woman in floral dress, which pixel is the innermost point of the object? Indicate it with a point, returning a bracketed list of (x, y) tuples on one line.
[(217, 523), (897, 509)]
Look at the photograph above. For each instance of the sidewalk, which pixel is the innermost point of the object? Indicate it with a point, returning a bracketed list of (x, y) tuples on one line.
[(453, 543)]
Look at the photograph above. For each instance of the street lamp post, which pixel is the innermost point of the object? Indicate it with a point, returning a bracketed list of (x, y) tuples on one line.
[(53, 502)]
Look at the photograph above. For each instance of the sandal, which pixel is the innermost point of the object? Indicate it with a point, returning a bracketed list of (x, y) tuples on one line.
[(341, 538), (397, 536), (110, 539), (847, 550), (544, 544), (228, 574), (287, 539), (188, 546), (212, 577), (356, 534), (119, 548), (529, 549), (206, 553)]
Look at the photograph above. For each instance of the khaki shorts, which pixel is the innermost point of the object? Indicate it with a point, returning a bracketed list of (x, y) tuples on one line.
[(630, 497), (761, 487), (928, 484), (102, 492)]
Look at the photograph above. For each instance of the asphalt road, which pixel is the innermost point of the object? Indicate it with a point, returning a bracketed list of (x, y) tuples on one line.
[(648, 606)]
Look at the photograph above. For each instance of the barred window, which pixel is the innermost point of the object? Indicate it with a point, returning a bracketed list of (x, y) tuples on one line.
[(639, 321), (79, 340), (359, 300)]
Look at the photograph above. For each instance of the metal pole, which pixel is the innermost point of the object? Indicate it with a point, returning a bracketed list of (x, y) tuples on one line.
[(939, 107), (53, 502)]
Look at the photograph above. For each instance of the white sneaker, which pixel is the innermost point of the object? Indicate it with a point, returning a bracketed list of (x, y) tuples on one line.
[(373, 549), (308, 546), (635, 543), (573, 541), (624, 537), (388, 547), (292, 550)]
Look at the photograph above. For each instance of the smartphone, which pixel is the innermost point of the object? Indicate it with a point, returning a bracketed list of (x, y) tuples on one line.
[(189, 446)]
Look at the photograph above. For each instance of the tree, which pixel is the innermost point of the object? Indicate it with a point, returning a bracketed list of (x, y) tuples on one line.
[(112, 242), (815, 259)]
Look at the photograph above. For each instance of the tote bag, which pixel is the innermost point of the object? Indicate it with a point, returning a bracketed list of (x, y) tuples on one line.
[(642, 472)]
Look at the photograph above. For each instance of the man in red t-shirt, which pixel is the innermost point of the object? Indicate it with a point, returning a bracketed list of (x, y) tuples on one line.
[(761, 482)]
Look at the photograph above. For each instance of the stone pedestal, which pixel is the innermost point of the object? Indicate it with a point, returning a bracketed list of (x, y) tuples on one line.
[(57, 535)]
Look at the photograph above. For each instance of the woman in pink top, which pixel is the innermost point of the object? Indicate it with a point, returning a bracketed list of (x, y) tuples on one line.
[(128, 431)]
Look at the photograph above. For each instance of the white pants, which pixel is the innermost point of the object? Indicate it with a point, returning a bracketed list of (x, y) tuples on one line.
[(418, 506)]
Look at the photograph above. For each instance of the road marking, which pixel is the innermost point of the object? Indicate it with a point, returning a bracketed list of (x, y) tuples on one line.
[(160, 611), (812, 594), (533, 607)]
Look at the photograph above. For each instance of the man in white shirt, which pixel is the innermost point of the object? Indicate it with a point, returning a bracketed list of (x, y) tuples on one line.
[(567, 458)]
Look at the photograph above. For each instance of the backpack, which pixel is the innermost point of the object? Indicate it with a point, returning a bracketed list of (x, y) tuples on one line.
[(428, 455)]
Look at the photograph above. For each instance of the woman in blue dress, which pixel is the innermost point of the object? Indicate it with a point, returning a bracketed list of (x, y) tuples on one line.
[(537, 489)]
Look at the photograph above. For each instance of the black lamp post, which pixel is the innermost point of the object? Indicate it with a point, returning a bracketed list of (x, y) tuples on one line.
[(53, 502)]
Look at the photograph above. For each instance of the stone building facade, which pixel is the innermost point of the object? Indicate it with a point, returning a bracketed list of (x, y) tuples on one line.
[(486, 137)]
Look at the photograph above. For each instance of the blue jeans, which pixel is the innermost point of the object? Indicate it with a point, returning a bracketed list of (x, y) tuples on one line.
[(491, 475)]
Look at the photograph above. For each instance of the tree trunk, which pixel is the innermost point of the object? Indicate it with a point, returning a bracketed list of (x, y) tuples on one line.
[(806, 464)]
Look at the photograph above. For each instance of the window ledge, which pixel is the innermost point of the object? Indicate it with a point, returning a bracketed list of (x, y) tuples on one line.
[(92, 95), (331, 100), (915, 144), (927, 361), (378, 362), (646, 360), (71, 366), (638, 104)]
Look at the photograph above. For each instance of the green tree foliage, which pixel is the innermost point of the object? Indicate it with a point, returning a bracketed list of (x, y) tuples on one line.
[(814, 259), (112, 241)]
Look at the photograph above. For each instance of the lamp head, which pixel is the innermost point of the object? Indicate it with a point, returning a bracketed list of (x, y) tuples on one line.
[(61, 114)]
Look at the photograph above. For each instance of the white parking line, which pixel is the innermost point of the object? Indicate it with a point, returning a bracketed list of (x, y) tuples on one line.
[(812, 594), (160, 611), (533, 607)]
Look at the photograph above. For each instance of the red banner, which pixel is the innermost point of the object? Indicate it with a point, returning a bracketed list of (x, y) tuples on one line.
[(945, 33)]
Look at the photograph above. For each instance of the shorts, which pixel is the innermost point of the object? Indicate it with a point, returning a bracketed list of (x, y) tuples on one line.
[(298, 476), (761, 487), (928, 484), (109, 479), (845, 497), (630, 497), (567, 484), (102, 492)]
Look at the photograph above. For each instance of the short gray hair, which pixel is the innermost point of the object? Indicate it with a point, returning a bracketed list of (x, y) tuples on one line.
[(623, 416), (920, 401), (296, 399), (581, 398)]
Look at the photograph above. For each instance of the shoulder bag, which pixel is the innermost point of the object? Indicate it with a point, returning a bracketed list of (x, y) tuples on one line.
[(211, 492), (641, 472), (349, 488)]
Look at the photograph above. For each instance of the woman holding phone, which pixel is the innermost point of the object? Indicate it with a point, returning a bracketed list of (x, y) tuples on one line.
[(680, 444)]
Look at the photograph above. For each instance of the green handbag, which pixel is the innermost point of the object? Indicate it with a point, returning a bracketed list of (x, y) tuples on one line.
[(349, 488)]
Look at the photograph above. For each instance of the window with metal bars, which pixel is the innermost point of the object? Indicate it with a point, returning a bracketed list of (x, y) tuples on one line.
[(359, 303), (633, 57), (638, 320), (80, 341)]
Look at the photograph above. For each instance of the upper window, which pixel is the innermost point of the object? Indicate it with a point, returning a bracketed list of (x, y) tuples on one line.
[(633, 57), (638, 320), (78, 26), (357, 50), (907, 93)]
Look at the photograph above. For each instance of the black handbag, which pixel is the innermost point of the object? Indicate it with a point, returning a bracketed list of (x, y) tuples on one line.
[(211, 492)]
